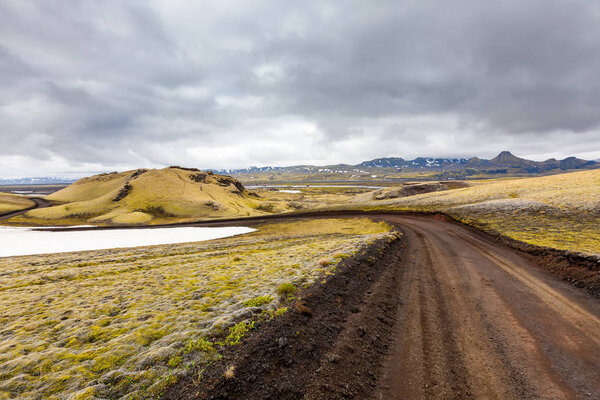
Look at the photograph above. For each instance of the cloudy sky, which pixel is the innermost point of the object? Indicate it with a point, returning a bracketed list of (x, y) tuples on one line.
[(89, 86)]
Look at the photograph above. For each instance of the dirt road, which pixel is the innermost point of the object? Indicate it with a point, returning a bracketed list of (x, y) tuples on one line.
[(445, 314), (39, 203), (477, 320)]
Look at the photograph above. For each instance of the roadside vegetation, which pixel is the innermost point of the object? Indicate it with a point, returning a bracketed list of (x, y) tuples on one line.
[(126, 323), (13, 202), (559, 211)]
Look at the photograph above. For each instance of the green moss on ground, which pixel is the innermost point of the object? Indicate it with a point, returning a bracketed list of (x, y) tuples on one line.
[(127, 321)]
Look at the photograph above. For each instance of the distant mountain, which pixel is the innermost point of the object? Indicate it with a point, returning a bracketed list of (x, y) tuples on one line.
[(506, 158), (395, 162), (47, 180), (503, 163)]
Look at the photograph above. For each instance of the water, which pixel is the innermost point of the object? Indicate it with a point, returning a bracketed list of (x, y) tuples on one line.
[(28, 241), (315, 186)]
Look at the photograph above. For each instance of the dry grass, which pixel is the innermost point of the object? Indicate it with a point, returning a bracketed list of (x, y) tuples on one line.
[(128, 322), (13, 202), (310, 197), (559, 211), (382, 175), (147, 197)]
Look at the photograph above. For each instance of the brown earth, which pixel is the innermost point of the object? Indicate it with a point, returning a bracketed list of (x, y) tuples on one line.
[(444, 313)]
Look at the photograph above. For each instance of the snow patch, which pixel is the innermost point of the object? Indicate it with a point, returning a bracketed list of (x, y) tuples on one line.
[(16, 241)]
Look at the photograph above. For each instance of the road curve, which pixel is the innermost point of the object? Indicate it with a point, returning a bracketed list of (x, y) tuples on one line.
[(39, 203), (477, 320), (469, 318), (454, 314)]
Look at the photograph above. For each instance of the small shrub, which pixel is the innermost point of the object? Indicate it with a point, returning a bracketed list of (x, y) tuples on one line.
[(237, 332), (198, 345), (258, 301), (286, 289), (175, 361), (280, 311)]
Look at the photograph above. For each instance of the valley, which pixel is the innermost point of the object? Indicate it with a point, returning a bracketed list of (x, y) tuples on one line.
[(409, 271)]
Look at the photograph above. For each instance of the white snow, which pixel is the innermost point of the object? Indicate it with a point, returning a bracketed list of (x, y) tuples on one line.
[(15, 241), (290, 191)]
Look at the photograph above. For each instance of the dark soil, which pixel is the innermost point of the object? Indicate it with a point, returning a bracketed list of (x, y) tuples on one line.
[(344, 323)]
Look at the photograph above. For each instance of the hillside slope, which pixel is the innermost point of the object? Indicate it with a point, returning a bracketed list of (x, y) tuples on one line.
[(13, 202), (577, 191), (560, 211), (148, 196)]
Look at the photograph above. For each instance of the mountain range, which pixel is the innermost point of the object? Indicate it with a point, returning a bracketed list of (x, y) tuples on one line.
[(45, 180), (503, 163)]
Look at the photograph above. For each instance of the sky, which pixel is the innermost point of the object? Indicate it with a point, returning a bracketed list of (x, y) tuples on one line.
[(89, 86)]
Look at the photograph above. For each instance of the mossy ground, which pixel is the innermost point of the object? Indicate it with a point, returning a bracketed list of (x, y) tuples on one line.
[(13, 202), (559, 211), (125, 323)]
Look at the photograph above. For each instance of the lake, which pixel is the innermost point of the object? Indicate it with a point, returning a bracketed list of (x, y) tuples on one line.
[(17, 241)]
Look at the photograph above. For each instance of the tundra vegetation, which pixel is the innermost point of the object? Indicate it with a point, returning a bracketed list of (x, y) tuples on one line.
[(125, 323), (152, 196), (314, 196), (12, 202), (559, 211)]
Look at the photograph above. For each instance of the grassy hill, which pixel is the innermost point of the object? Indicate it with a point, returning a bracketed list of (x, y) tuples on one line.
[(13, 202), (149, 196), (560, 211)]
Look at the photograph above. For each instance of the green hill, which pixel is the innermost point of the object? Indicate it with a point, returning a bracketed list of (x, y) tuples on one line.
[(148, 196), (560, 211), (13, 202)]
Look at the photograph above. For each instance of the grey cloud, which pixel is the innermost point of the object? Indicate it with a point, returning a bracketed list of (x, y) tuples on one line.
[(112, 83)]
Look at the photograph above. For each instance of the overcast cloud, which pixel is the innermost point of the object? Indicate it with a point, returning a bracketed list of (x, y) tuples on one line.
[(88, 86)]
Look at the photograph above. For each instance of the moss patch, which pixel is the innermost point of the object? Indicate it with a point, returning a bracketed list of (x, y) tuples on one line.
[(127, 321)]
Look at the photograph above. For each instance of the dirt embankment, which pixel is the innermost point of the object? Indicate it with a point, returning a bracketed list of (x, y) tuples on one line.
[(344, 323)]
